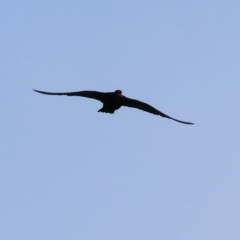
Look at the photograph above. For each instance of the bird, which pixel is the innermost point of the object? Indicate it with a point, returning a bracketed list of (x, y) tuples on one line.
[(112, 101)]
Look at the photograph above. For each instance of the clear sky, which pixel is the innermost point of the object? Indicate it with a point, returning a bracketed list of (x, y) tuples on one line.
[(69, 172)]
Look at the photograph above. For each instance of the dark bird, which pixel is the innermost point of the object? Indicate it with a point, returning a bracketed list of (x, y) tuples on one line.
[(113, 101)]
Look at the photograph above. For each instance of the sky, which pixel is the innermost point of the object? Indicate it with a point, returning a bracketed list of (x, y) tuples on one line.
[(69, 172)]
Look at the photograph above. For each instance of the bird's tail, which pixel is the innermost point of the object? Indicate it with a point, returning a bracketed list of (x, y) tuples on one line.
[(106, 110)]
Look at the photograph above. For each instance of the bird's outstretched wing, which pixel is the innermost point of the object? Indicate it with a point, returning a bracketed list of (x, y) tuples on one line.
[(89, 94), (128, 102)]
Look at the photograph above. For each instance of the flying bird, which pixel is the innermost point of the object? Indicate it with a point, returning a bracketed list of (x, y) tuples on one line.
[(113, 101)]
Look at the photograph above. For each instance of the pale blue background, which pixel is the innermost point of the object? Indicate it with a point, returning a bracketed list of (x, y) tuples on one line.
[(69, 172)]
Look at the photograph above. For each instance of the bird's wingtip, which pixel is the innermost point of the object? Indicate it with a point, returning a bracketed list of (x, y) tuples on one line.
[(189, 123), (36, 91)]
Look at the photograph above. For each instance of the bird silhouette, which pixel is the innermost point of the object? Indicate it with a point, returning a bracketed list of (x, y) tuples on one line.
[(113, 101)]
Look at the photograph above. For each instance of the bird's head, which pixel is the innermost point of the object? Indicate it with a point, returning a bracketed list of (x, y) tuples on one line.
[(118, 93)]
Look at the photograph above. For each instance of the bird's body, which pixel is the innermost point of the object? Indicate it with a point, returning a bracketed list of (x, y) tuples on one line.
[(113, 101)]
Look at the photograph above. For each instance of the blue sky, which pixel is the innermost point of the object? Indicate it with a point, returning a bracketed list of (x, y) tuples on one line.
[(69, 172)]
